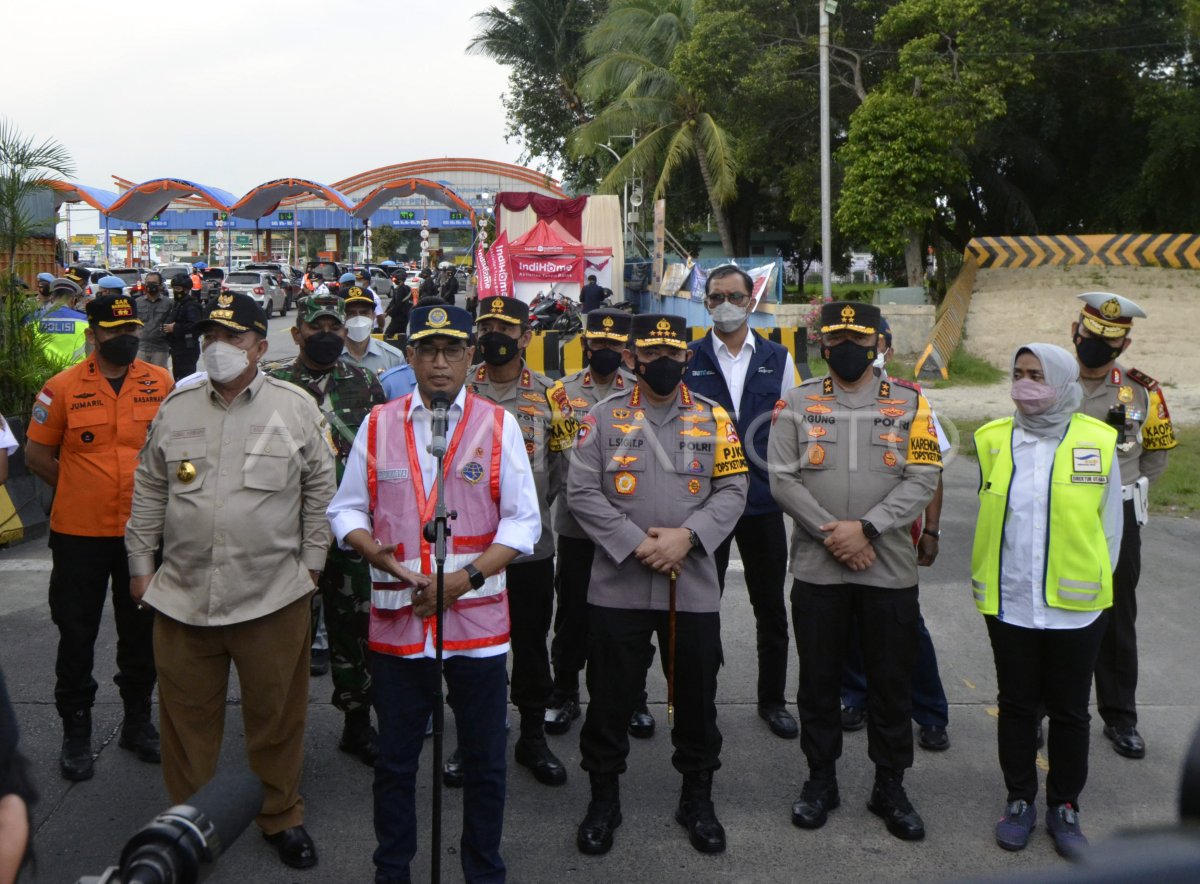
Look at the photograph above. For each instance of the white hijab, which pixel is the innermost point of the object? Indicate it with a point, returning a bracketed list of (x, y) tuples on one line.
[(1060, 370)]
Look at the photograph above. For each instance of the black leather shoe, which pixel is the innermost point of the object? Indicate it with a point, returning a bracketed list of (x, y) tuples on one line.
[(533, 753), (780, 721), (595, 833), (139, 736), (1126, 741), (452, 772), (935, 739), (560, 713), (817, 798), (697, 814), (361, 739), (296, 848), (891, 804), (318, 664), (854, 718), (75, 762), (641, 724)]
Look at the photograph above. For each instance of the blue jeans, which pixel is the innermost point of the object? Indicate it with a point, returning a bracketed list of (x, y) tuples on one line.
[(929, 708), (404, 693)]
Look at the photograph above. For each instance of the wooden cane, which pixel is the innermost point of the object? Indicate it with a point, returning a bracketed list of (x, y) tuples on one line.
[(671, 649)]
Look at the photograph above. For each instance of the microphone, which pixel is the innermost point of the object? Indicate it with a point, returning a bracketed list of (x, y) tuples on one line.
[(440, 405)]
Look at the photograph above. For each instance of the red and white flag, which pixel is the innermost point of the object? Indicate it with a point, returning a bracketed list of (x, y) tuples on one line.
[(498, 254), (485, 283)]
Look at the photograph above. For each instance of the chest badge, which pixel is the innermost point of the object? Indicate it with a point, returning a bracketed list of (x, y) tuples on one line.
[(1125, 394), (621, 414), (818, 409), (694, 486), (625, 483), (889, 459), (472, 472), (186, 472), (816, 454)]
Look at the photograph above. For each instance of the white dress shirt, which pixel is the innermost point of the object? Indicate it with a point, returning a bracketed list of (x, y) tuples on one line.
[(734, 368), (520, 517), (1022, 585)]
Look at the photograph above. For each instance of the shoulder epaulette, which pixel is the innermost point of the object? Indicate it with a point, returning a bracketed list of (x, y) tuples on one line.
[(1142, 378), (912, 385)]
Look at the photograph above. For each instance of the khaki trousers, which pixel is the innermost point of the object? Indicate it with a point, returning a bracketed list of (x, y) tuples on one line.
[(271, 654)]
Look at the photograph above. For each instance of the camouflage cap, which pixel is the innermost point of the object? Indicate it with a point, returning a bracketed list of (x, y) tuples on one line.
[(314, 307)]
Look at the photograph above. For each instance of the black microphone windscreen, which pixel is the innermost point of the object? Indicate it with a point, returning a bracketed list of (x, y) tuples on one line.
[(440, 400), (230, 800)]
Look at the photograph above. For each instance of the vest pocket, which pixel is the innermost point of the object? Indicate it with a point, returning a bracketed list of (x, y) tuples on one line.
[(179, 456)]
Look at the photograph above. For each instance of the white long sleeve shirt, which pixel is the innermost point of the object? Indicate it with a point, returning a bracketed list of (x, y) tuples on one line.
[(520, 517), (1022, 590), (734, 368)]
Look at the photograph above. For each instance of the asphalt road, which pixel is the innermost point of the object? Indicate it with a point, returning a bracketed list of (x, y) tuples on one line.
[(80, 828)]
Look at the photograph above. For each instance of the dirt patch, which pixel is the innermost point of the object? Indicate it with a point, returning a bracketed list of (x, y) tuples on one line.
[(1014, 307)]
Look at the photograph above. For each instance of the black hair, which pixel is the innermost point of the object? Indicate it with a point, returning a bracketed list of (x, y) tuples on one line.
[(728, 270)]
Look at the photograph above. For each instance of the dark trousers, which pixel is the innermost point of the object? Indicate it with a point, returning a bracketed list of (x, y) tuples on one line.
[(618, 645), (929, 706), (345, 591), (531, 609), (404, 691), (1117, 665), (762, 543), (183, 361), (1050, 669), (887, 618), (82, 570), (568, 650)]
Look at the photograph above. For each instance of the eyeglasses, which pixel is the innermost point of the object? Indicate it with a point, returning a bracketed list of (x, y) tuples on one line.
[(430, 352), (732, 298)]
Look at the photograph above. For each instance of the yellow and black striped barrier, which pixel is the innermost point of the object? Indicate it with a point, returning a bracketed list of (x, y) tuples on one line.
[(1176, 250)]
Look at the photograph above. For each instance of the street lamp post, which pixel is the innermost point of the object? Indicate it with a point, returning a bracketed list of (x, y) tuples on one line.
[(825, 8)]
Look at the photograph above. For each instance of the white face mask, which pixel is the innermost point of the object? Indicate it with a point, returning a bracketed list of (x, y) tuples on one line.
[(358, 328), (728, 318), (880, 361), (224, 362)]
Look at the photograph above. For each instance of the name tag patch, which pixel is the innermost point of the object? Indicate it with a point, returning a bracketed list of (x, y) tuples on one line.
[(392, 475), (1087, 460), (1089, 480)]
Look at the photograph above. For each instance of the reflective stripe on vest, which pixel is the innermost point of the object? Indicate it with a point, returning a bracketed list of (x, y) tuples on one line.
[(1078, 575)]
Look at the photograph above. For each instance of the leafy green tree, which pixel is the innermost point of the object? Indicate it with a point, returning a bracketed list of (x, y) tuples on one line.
[(25, 166)]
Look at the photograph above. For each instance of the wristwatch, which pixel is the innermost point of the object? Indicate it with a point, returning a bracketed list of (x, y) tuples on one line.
[(475, 576), (869, 531), (693, 538), (936, 535)]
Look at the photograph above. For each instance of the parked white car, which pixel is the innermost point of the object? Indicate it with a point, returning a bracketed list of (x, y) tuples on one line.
[(262, 287)]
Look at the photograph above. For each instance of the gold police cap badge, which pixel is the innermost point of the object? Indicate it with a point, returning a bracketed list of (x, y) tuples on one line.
[(1110, 309), (498, 305), (607, 322), (225, 299), (847, 314)]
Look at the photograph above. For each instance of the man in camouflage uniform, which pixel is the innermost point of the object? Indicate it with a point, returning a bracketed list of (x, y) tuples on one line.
[(1133, 403), (548, 426), (345, 394), (605, 337)]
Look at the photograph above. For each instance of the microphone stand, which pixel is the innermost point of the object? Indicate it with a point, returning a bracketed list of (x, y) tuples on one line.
[(435, 532)]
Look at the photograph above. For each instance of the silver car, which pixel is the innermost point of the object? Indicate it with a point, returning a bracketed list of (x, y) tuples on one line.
[(263, 287)]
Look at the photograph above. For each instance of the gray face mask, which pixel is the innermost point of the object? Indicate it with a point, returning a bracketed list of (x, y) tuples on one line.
[(728, 318)]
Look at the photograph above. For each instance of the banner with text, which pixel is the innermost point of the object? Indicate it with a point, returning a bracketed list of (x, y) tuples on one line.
[(485, 284), (499, 255), (552, 268)]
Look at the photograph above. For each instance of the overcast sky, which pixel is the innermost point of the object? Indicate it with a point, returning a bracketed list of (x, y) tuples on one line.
[(232, 93)]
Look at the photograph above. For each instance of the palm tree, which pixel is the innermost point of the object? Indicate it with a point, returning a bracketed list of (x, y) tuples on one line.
[(633, 82), (25, 166), (542, 38)]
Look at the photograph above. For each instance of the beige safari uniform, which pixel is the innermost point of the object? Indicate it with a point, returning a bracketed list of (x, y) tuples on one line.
[(1149, 434), (583, 393), (548, 426), (869, 454), (638, 466)]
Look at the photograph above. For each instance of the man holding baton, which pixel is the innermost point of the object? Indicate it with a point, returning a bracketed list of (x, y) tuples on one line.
[(386, 496)]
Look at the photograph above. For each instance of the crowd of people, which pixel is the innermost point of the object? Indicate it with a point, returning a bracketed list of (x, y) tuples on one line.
[(594, 523)]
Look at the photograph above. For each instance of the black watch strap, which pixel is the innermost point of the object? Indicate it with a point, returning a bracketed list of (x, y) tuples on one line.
[(475, 576), (693, 538), (869, 530)]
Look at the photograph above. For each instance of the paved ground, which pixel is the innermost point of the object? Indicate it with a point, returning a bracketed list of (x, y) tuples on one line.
[(81, 827)]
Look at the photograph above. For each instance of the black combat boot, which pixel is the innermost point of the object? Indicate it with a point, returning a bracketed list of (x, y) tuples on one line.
[(696, 814), (359, 737), (533, 752), (890, 803), (138, 734), (75, 760), (595, 833)]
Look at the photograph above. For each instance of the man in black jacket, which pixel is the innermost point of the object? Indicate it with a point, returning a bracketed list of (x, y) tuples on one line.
[(177, 328)]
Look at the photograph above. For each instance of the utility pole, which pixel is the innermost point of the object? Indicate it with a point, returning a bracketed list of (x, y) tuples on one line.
[(825, 7)]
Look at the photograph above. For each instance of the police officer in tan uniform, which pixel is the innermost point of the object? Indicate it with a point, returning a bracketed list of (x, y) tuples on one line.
[(854, 459), (657, 477), (548, 427), (605, 337), (1133, 403)]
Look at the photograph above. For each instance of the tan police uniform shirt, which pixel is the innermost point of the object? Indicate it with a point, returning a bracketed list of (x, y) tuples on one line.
[(584, 392), (1149, 434), (237, 493), (868, 454), (548, 426), (638, 466)]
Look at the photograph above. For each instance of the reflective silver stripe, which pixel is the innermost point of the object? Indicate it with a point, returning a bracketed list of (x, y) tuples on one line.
[(1080, 584), (979, 590), (1082, 591)]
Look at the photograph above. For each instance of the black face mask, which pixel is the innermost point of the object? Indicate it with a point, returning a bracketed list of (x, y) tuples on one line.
[(662, 374), (120, 350), (604, 362), (323, 348), (849, 360), (153, 288), (498, 348), (1095, 352)]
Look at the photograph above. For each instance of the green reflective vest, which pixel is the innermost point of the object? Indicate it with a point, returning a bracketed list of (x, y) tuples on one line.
[(63, 337), (1078, 575)]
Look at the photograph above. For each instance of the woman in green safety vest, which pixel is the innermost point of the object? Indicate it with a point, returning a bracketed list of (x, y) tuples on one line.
[(1048, 535)]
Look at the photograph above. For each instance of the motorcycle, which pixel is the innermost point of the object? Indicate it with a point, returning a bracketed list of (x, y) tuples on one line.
[(555, 312)]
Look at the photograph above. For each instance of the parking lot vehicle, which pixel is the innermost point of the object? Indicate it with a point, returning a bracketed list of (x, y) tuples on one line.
[(132, 277), (287, 277), (262, 287)]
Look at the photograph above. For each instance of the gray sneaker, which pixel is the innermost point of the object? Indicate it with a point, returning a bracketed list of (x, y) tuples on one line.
[(1014, 828), (1062, 823)]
